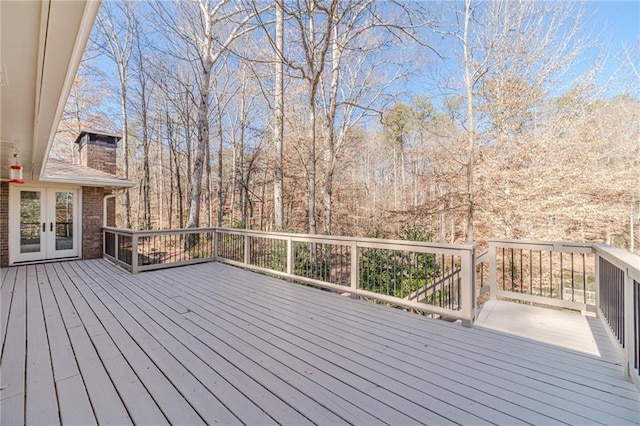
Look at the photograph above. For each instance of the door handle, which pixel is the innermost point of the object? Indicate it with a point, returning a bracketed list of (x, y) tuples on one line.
[(44, 227), (51, 227)]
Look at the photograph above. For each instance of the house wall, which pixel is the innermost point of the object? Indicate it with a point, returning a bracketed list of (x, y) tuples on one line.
[(4, 224), (92, 206)]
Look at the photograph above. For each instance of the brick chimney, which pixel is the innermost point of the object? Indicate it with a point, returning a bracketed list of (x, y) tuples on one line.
[(98, 150)]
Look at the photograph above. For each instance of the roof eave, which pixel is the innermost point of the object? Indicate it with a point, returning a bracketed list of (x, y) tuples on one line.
[(111, 183)]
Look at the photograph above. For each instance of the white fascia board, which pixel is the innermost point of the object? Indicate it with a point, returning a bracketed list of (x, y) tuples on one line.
[(112, 183), (89, 14)]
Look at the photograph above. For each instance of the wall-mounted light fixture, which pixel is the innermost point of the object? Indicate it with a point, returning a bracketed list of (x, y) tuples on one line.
[(16, 170)]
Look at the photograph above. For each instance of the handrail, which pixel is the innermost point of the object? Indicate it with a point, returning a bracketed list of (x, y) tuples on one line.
[(295, 236)]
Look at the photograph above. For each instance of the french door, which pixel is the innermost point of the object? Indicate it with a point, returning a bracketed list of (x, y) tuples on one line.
[(43, 223)]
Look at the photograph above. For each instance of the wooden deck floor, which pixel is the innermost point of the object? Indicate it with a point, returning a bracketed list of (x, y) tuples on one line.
[(84, 342)]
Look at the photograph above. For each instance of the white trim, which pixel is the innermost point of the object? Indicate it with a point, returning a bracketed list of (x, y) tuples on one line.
[(114, 183), (86, 25)]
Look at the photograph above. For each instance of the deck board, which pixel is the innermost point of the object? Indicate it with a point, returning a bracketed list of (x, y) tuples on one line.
[(539, 356), (210, 342), (73, 401), (153, 387), (12, 360), (420, 360), (6, 297), (378, 370), (106, 405), (252, 364), (41, 396), (545, 406)]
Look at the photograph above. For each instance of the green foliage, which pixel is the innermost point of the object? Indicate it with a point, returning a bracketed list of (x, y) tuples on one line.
[(438, 298), (398, 273), (416, 233), (401, 118), (311, 261)]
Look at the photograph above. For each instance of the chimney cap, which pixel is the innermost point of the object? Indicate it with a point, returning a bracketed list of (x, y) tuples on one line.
[(98, 133)]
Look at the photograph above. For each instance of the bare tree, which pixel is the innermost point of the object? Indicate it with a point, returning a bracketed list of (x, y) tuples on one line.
[(145, 89), (116, 40), (315, 43), (278, 131), (206, 29)]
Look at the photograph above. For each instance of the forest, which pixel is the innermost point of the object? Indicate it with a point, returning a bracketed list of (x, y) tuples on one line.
[(450, 121)]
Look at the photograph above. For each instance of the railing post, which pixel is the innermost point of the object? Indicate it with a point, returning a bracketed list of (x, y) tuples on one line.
[(134, 253), (493, 272), (355, 269), (468, 289), (246, 250), (216, 244), (290, 258)]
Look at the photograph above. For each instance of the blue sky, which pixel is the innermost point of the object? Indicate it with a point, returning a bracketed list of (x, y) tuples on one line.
[(619, 23), (616, 21), (620, 18)]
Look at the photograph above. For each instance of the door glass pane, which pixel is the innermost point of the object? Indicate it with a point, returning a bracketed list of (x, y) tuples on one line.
[(64, 220), (30, 205)]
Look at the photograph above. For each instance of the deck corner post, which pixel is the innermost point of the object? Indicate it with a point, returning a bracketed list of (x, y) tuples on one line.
[(493, 271), (134, 253), (354, 270), (468, 289)]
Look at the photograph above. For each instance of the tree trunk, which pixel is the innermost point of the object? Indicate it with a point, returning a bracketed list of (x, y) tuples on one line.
[(311, 166), (330, 149), (125, 148), (203, 146), (470, 125), (220, 170), (278, 179)]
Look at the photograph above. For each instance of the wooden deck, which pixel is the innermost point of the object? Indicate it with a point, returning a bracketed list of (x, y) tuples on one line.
[(85, 342)]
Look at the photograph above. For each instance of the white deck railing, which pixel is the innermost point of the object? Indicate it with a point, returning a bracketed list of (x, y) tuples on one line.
[(582, 276), (440, 279), (618, 295), (387, 271)]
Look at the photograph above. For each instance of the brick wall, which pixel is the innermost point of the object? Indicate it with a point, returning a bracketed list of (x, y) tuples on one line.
[(4, 224), (98, 156), (92, 222)]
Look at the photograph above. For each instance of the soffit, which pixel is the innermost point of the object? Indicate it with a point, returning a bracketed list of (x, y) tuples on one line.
[(41, 45)]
